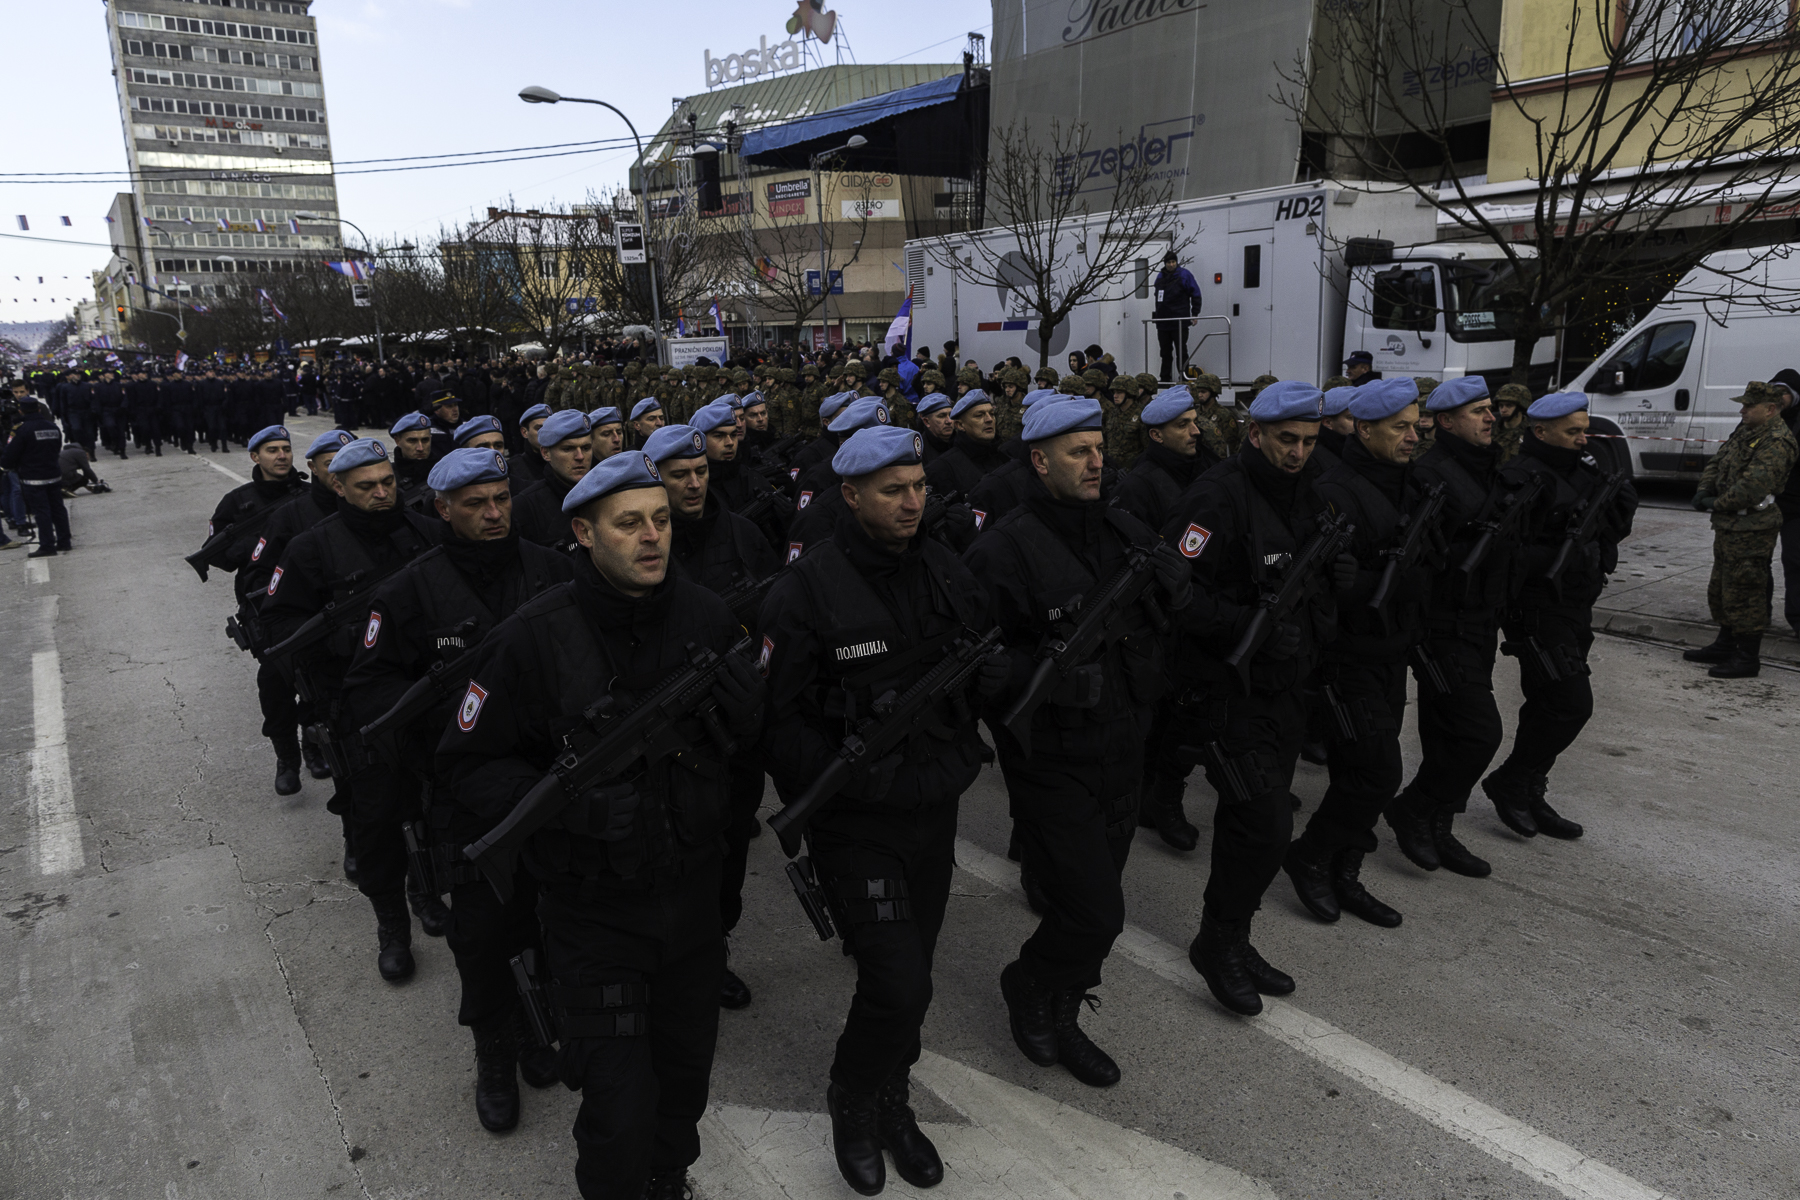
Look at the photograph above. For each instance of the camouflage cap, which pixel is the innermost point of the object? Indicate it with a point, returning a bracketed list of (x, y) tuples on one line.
[(1072, 385), (1094, 377), (1337, 381), (1046, 376), (856, 369), (740, 375), (1127, 384), (970, 376), (1426, 384), (889, 376), (1758, 392), (1261, 382), (1206, 379), (633, 370), (607, 372), (810, 369), (1516, 394), (931, 381), (784, 374)]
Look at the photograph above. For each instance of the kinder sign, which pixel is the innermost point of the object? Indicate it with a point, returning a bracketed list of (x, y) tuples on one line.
[(762, 59)]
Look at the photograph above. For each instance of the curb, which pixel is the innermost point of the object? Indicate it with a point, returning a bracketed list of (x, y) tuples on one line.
[(1650, 627)]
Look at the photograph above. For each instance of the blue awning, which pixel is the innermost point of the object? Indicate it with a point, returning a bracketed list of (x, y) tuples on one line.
[(834, 125)]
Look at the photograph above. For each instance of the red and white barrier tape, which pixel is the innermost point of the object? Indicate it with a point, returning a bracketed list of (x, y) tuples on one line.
[(1650, 437)]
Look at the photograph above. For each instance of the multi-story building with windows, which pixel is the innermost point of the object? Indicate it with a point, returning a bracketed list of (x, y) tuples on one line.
[(222, 104)]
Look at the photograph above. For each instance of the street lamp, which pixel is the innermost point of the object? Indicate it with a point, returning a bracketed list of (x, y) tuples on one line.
[(543, 95), (813, 161), (180, 308)]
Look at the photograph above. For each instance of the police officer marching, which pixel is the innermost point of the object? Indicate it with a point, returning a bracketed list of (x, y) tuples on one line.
[(565, 444)]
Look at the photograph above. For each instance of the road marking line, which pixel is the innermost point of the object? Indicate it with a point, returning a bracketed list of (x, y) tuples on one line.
[(221, 470), (1529, 1151), (37, 570), (55, 827)]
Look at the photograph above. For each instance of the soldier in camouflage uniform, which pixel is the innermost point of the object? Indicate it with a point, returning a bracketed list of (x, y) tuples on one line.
[(1121, 426), (1739, 487), (1009, 412), (1427, 420), (1045, 377), (1206, 389), (553, 393), (1510, 403), (855, 377), (1337, 381), (888, 387), (812, 391), (967, 380), (1095, 385)]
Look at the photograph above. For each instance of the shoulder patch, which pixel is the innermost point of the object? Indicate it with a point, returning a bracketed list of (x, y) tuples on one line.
[(980, 518), (372, 632), (255, 554), (274, 581), (1194, 540), (762, 660), (794, 549), (470, 712), (805, 499)]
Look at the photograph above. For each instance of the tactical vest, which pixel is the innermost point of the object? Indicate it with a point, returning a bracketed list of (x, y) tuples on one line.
[(1585, 576), (1457, 602), (1162, 486), (348, 564), (685, 800), (1377, 523), (720, 561)]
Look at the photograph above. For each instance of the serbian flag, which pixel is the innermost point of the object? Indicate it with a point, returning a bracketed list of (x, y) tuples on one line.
[(261, 225), (294, 224), (24, 224), (181, 361), (270, 301), (66, 221), (224, 226), (680, 325), (718, 317), (354, 269), (901, 328)]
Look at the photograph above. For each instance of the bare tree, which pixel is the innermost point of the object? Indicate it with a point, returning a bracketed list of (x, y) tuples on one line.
[(1670, 132), (1058, 244)]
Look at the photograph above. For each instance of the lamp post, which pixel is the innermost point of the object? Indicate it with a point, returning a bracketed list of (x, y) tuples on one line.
[(180, 309), (543, 95), (369, 250), (813, 160)]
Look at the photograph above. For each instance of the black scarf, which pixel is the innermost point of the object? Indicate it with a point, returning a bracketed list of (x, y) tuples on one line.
[(412, 471), (1388, 478), (371, 526), (1479, 461), (1278, 487), (691, 533), (1181, 467), (612, 610), (1077, 522), (1560, 459), (274, 489), (485, 562)]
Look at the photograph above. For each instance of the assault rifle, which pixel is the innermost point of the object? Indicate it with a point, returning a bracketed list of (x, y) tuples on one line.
[(647, 730), (426, 692), (895, 719), (1502, 525), (1299, 582), (780, 454), (745, 597), (768, 502), (352, 608), (1584, 523), (202, 558), (1418, 529), (1099, 614)]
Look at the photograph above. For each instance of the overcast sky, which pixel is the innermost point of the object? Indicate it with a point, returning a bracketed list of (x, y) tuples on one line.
[(406, 77)]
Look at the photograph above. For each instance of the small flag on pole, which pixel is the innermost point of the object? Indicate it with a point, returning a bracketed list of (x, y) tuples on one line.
[(187, 221), (718, 317), (294, 224), (23, 223), (261, 225), (680, 324), (147, 224), (181, 361), (66, 221), (224, 227), (109, 220)]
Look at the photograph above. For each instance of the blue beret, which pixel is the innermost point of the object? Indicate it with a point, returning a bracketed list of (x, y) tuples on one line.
[(474, 427), (713, 416), (270, 433), (363, 452), (1067, 414), (931, 402), (1454, 393), (1382, 399), (968, 400), (620, 473), (331, 439), (860, 414), (1556, 404), (876, 446), (752, 399), (1288, 400), (1167, 406), (409, 422), (675, 441), (533, 413), (729, 398), (467, 465), (605, 415), (648, 404), (833, 404), (1338, 399), (560, 426), (1360, 356), (1032, 397)]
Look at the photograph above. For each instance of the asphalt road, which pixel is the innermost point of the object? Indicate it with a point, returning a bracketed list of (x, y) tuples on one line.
[(192, 1007)]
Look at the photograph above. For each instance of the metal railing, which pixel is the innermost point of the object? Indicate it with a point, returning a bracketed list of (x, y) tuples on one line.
[(1193, 345)]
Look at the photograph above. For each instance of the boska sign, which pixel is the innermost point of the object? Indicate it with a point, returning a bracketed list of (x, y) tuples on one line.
[(759, 60)]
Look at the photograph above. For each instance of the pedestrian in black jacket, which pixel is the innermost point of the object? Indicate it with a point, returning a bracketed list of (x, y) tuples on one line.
[(35, 453)]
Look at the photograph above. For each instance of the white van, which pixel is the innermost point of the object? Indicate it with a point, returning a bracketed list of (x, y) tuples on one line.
[(1666, 386)]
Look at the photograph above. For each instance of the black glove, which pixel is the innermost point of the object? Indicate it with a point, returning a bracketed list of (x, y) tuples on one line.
[(740, 691), (1343, 571), (1705, 503), (1081, 688), (607, 812), (1173, 574), (991, 676), (1284, 642)]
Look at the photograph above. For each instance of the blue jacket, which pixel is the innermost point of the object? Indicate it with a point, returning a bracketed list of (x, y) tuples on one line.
[(35, 452), (1177, 295)]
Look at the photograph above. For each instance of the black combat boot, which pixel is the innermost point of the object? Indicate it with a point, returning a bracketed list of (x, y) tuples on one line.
[(1218, 952), (350, 872), (394, 928), (433, 913), (1550, 823), (1312, 882), (1452, 853), (316, 766), (1028, 1007), (1074, 1049), (855, 1139), (670, 1185), (496, 1074), (537, 1064), (1352, 896), (1745, 661), (1159, 808), (1412, 832), (287, 764), (1718, 652), (914, 1156), (734, 993), (1512, 800)]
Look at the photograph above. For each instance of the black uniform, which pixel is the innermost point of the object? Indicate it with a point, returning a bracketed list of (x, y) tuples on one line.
[(247, 511), (1363, 682), (436, 611), (1236, 524), (737, 484), (848, 622), (143, 403), (1546, 624), (415, 493), (538, 514), (629, 883), (1149, 490), (1074, 799), (524, 467), (108, 402), (210, 392), (1004, 488), (967, 463), (343, 555), (178, 412)]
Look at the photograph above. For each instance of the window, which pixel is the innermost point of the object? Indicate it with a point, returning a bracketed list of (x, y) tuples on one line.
[(222, 83), (236, 137), (1652, 359), (224, 29), (1484, 302), (1141, 290), (1657, 29), (236, 112), (1404, 298), (1253, 265)]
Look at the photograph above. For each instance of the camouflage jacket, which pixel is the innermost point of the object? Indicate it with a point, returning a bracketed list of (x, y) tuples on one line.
[(1507, 439), (1751, 466), (1219, 429), (1009, 416), (1122, 433)]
